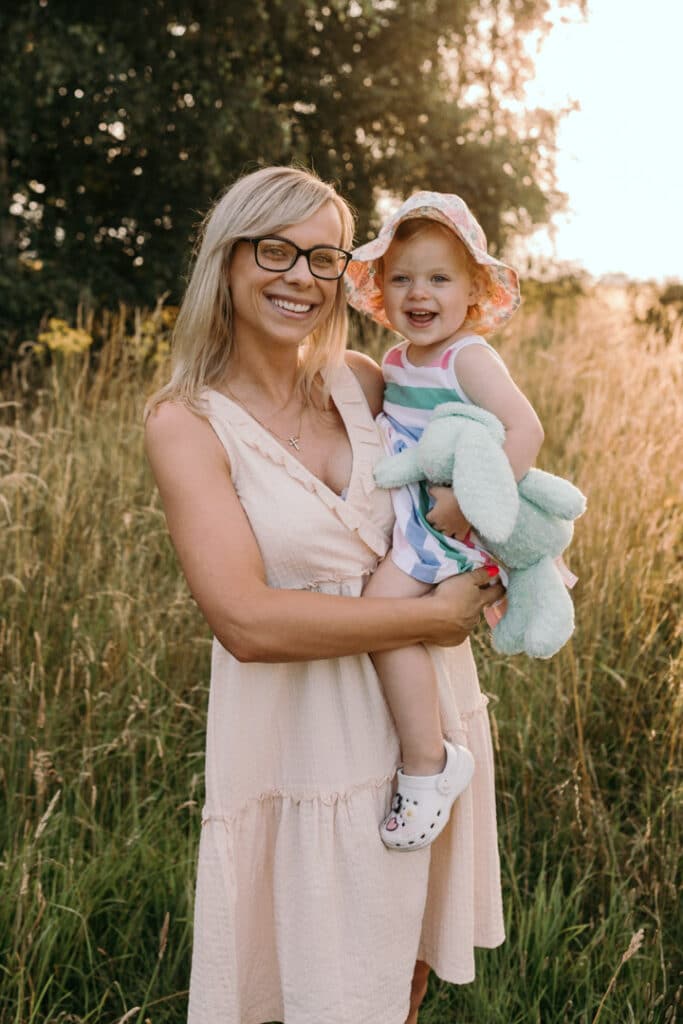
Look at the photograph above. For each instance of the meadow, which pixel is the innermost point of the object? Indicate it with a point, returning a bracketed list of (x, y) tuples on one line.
[(104, 667)]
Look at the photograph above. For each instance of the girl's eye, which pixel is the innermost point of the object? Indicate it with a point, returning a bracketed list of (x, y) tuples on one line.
[(439, 278), (398, 278)]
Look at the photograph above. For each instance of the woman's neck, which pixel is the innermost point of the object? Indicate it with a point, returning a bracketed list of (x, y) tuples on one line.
[(271, 378)]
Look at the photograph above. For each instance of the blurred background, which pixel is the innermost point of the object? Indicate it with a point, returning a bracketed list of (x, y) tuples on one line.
[(119, 125)]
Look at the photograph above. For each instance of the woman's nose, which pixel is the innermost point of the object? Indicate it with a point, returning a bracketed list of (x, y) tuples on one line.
[(300, 272)]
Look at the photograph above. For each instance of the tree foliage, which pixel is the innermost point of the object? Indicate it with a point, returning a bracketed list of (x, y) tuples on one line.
[(119, 126)]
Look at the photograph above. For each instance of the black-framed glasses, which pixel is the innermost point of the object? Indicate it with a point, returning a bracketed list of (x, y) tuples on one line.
[(277, 254)]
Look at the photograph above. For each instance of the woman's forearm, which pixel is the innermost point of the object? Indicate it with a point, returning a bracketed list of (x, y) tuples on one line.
[(274, 625)]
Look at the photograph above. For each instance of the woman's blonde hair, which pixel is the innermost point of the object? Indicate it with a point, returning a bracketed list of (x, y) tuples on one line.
[(260, 203)]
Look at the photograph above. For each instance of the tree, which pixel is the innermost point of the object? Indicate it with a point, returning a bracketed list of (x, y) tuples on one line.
[(117, 131)]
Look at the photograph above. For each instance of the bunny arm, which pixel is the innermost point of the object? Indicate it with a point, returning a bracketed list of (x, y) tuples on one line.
[(397, 470), (552, 494)]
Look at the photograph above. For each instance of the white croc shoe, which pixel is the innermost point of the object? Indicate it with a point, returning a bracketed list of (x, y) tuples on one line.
[(422, 804)]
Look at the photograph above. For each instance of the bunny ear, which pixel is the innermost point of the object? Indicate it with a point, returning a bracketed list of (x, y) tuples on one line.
[(552, 494), (484, 484)]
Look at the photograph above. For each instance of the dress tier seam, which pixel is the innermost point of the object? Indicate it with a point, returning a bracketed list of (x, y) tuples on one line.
[(330, 799)]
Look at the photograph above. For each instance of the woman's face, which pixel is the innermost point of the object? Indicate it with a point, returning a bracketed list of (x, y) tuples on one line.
[(284, 307)]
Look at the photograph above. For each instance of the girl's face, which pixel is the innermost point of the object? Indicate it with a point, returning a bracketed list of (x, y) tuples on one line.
[(427, 289), (283, 308)]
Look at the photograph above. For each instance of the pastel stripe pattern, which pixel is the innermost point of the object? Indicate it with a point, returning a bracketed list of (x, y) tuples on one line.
[(411, 393)]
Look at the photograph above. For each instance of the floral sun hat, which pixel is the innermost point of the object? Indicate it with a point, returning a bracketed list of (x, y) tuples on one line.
[(492, 310)]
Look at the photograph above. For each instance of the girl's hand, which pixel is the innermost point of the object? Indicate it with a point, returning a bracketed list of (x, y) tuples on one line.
[(446, 516), (458, 603)]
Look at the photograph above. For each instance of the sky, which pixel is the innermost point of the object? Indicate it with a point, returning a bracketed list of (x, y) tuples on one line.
[(620, 155)]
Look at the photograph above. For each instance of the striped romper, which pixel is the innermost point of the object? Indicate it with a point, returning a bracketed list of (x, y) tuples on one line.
[(410, 395)]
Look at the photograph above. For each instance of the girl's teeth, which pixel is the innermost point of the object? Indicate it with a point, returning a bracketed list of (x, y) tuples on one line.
[(292, 307)]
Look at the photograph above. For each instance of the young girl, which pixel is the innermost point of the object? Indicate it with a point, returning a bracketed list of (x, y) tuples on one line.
[(428, 277)]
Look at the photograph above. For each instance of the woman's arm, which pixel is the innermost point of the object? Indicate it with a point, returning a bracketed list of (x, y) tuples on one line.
[(223, 567), (488, 384)]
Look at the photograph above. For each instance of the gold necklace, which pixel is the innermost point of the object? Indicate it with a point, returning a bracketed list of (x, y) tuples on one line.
[(294, 440)]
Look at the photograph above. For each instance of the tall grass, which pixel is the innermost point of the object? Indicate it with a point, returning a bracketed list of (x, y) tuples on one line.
[(104, 665)]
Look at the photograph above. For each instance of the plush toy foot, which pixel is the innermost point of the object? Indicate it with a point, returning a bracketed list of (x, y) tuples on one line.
[(422, 804), (536, 627)]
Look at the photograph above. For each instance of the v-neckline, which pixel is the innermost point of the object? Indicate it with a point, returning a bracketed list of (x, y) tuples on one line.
[(273, 440)]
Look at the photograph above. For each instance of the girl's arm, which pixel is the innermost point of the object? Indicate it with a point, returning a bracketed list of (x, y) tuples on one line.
[(223, 567), (487, 383)]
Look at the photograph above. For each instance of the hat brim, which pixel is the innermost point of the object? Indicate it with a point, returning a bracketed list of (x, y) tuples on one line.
[(492, 310)]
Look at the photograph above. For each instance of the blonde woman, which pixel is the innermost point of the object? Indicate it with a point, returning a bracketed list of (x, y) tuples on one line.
[(263, 445)]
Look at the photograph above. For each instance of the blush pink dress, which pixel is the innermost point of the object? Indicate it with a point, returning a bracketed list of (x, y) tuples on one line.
[(302, 916)]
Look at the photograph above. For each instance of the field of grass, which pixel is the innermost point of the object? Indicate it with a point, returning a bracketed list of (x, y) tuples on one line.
[(104, 667)]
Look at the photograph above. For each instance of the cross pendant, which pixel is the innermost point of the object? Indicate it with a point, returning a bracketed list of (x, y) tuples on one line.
[(294, 441)]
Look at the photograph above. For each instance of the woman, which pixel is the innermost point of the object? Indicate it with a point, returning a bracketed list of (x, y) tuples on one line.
[(263, 446)]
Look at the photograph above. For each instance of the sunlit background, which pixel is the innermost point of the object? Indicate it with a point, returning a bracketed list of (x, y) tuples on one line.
[(118, 127), (620, 154)]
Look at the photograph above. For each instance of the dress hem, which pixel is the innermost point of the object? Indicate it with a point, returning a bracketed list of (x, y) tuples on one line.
[(457, 977)]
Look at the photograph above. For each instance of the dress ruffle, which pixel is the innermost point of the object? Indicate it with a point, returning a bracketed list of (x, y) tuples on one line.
[(299, 796), (355, 511)]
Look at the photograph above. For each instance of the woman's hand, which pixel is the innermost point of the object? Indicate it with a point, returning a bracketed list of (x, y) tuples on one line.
[(446, 516), (459, 602)]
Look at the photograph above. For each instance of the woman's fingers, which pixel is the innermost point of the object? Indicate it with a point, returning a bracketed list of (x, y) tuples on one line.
[(461, 600), (490, 587), (484, 576), (489, 595)]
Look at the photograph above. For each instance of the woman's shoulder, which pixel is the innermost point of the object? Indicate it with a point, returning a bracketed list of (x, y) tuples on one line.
[(165, 419), (173, 429), (369, 377)]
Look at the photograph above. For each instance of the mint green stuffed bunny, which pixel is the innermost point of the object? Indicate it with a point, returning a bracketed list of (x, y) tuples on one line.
[(525, 526)]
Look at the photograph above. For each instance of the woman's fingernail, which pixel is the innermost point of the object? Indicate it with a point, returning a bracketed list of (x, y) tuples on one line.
[(492, 570)]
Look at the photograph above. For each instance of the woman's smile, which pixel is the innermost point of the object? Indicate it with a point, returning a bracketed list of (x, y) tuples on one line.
[(290, 306)]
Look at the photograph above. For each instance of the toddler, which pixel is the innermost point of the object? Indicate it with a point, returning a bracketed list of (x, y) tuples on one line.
[(428, 277)]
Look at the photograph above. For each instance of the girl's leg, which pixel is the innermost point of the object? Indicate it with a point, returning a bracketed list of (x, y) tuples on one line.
[(418, 990), (434, 772), (409, 682)]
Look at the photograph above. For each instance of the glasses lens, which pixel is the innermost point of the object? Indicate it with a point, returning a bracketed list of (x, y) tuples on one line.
[(274, 254), (327, 262)]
